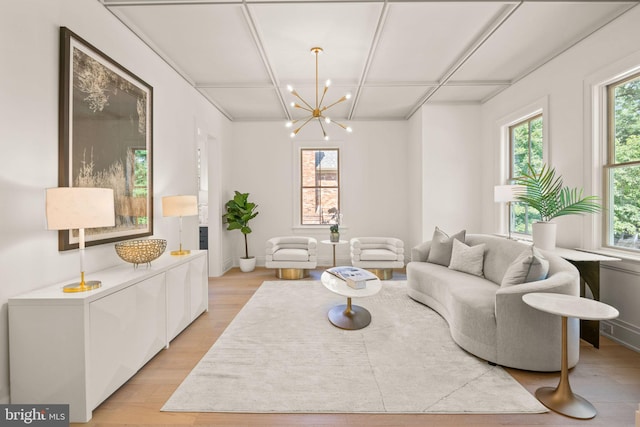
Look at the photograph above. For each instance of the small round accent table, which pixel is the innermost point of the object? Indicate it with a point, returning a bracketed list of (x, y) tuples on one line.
[(334, 244), (561, 399), (349, 316)]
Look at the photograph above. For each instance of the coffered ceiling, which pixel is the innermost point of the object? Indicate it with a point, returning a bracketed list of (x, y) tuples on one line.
[(392, 56)]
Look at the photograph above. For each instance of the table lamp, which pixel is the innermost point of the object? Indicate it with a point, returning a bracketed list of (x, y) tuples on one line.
[(70, 208), (180, 206), (506, 194)]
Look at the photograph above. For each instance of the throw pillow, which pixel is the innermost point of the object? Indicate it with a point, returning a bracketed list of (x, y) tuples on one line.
[(468, 259), (441, 245), (529, 266)]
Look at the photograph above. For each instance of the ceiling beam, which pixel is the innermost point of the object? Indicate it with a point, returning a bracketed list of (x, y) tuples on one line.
[(372, 49), (263, 55)]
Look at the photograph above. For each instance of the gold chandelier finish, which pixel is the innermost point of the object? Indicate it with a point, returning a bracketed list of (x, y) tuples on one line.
[(317, 111)]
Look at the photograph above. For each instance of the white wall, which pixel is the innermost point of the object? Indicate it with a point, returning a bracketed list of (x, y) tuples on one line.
[(564, 81), (29, 47), (451, 170), (373, 179)]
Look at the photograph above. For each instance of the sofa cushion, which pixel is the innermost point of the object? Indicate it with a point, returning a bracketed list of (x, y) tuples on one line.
[(468, 259), (441, 246), (529, 266)]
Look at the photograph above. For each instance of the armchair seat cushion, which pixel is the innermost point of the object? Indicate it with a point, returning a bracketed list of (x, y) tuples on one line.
[(291, 255), (378, 255)]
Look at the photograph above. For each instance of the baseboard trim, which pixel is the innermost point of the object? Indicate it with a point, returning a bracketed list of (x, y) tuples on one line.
[(621, 332)]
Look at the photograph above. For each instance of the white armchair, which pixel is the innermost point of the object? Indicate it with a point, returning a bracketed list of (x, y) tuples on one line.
[(380, 255), (292, 256)]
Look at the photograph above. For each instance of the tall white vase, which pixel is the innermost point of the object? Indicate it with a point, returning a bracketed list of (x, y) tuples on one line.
[(544, 235)]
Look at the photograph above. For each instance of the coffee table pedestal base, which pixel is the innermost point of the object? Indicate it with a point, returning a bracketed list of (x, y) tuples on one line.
[(566, 403), (348, 316)]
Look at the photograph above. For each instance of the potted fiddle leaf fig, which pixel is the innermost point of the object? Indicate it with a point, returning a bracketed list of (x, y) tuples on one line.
[(239, 212), (546, 193)]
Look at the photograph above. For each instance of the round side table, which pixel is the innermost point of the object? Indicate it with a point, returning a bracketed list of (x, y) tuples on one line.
[(561, 399), (333, 246)]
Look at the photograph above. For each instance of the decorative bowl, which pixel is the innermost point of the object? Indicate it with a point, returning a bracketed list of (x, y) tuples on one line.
[(141, 251)]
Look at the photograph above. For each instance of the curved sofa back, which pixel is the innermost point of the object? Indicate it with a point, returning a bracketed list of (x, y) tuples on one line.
[(499, 254)]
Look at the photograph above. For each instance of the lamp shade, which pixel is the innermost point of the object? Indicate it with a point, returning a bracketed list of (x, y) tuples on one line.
[(70, 208), (179, 206), (506, 193)]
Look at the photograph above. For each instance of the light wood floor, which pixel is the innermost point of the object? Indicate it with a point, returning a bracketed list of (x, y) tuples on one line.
[(608, 377)]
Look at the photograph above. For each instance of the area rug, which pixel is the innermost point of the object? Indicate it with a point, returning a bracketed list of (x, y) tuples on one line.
[(281, 354)]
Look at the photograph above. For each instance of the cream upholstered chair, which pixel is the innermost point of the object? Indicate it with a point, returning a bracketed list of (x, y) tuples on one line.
[(292, 256), (379, 255)]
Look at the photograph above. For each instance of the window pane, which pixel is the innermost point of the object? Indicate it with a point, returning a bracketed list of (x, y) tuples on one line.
[(626, 121), (526, 148), (625, 188), (319, 185), (316, 203)]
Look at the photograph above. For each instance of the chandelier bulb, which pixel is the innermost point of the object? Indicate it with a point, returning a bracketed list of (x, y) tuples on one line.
[(327, 83), (290, 88), (289, 124), (348, 95), (327, 119), (292, 104), (326, 137), (292, 134), (349, 129)]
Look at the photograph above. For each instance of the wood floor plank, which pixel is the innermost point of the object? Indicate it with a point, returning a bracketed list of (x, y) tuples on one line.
[(609, 377)]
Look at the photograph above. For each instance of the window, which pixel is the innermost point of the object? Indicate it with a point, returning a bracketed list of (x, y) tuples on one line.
[(525, 147), (320, 186), (622, 167)]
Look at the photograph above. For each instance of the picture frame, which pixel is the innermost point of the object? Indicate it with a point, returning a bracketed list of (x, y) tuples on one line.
[(105, 138)]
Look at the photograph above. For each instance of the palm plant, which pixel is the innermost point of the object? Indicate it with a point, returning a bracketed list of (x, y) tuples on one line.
[(239, 212), (545, 192)]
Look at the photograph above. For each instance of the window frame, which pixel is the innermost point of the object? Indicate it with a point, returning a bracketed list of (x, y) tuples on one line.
[(609, 163), (302, 187)]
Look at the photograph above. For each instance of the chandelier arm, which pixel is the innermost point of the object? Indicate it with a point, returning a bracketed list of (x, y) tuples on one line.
[(294, 93), (324, 92), (303, 108), (344, 98), (339, 124), (303, 125), (322, 127)]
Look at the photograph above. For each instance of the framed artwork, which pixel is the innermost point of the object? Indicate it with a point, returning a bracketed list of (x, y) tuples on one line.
[(105, 138)]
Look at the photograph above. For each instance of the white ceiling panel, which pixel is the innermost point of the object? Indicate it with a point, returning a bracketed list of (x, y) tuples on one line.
[(210, 43), (389, 54), (421, 40), (388, 102), (289, 31), (533, 34), (247, 103)]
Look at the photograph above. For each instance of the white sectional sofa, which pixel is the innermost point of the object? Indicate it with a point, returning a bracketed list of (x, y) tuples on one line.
[(488, 318)]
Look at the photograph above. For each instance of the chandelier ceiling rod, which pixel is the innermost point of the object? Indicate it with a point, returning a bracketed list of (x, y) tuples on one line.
[(317, 111)]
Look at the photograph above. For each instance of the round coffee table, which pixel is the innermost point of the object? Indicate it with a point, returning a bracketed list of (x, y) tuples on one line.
[(349, 316), (561, 399)]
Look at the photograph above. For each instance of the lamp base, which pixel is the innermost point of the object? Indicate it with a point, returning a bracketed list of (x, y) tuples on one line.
[(181, 252), (82, 287)]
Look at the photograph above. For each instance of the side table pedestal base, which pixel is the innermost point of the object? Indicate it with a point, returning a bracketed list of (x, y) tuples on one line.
[(566, 403), (351, 317)]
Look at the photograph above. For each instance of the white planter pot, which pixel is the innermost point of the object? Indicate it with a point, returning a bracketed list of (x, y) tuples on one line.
[(247, 264), (544, 235)]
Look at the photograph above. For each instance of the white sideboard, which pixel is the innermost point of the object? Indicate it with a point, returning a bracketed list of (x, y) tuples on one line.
[(80, 348)]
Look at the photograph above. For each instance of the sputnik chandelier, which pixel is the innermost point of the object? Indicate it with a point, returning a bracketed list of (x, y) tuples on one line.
[(317, 111)]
